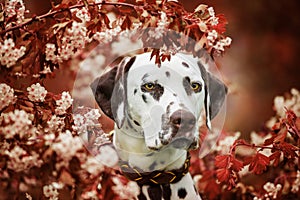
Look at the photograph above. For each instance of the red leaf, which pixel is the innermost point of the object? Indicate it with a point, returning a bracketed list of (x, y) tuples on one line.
[(259, 163), (223, 174), (222, 161), (288, 150), (236, 164), (276, 157)]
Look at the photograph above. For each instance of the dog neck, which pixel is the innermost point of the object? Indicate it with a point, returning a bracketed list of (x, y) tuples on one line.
[(131, 147)]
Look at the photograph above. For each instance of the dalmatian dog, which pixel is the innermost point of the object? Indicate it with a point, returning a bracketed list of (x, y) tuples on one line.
[(156, 110)]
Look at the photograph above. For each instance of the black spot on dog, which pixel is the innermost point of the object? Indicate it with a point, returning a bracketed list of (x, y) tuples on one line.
[(136, 123), (135, 91), (185, 65), (168, 74), (141, 196), (144, 98), (166, 192), (186, 84), (174, 94), (156, 92), (181, 193), (155, 192), (152, 166)]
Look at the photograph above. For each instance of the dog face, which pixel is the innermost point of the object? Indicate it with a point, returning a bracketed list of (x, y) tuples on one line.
[(163, 103)]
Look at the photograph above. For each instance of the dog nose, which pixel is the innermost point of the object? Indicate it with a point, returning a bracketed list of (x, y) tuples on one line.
[(182, 120)]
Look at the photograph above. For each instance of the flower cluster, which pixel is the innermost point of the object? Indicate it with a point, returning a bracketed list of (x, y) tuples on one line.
[(9, 54), (64, 103), (73, 41), (36, 92), (128, 191), (15, 8), (51, 191), (20, 160), (6, 95), (16, 122), (66, 145), (296, 183), (82, 121)]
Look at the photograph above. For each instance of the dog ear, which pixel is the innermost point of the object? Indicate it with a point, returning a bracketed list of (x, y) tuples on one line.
[(102, 88), (215, 93), (110, 91)]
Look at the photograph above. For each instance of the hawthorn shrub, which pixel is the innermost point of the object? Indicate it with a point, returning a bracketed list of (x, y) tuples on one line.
[(42, 154)]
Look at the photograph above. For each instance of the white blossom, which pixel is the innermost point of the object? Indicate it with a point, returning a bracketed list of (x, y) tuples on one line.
[(51, 191), (211, 37), (292, 103), (128, 191), (272, 190), (56, 123), (296, 183), (93, 165), (82, 14), (224, 145), (21, 160), (64, 103), (66, 146), (36, 92), (17, 123), (9, 54), (15, 8), (6, 95)]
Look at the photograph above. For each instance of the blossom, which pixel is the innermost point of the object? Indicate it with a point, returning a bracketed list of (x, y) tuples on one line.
[(56, 123), (9, 54), (17, 122), (93, 166), (6, 95), (296, 183), (292, 103), (72, 41), (15, 8), (272, 190), (128, 191), (51, 192), (211, 37), (225, 144), (21, 160), (82, 14), (64, 103), (222, 43), (50, 53), (66, 146), (36, 92)]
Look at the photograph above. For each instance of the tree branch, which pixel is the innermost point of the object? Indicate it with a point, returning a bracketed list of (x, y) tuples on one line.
[(52, 13)]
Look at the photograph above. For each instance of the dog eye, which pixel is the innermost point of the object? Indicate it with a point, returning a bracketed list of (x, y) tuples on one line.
[(196, 86), (148, 86)]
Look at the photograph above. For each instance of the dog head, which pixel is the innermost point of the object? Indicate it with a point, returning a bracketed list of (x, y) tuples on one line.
[(163, 103)]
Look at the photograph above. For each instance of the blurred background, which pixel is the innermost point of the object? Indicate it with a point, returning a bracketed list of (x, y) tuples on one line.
[(261, 63)]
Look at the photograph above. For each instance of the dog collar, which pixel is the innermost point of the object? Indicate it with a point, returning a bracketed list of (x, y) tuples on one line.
[(156, 177)]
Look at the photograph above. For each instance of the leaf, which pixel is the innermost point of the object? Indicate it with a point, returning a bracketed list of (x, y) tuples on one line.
[(258, 163), (275, 157), (222, 161), (223, 174), (236, 164)]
